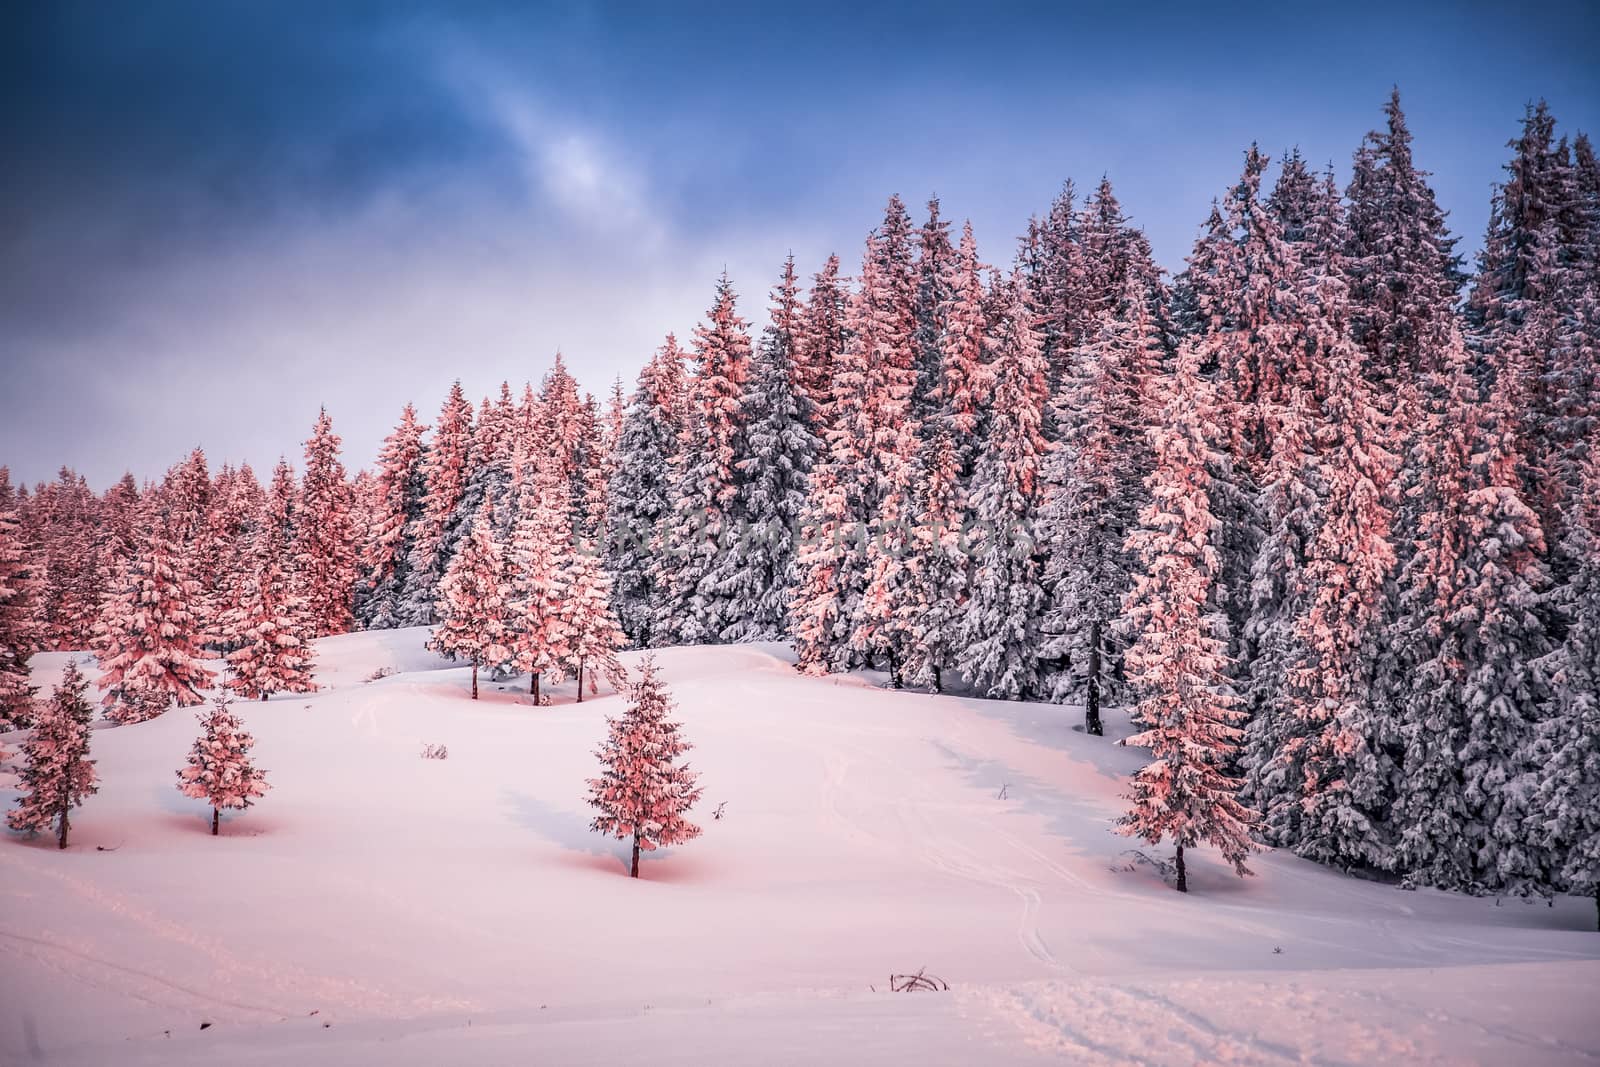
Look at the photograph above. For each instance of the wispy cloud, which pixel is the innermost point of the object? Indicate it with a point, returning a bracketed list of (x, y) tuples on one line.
[(566, 165)]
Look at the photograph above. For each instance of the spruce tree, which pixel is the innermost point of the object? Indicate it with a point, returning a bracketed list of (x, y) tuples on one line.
[(756, 572), (19, 633), (397, 497), (1470, 645), (1401, 260), (694, 609), (1001, 629), (1348, 772), (1567, 819), (148, 642), (219, 770), (1092, 496), (539, 567), (263, 628), (639, 499), (472, 601), (59, 774), (1187, 710), (445, 469), (643, 794), (820, 340), (325, 543), (831, 559), (593, 633)]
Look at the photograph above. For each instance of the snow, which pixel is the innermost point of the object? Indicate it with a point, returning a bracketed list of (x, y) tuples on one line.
[(377, 907)]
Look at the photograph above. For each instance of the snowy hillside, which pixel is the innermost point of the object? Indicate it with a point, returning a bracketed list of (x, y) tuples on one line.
[(377, 907)]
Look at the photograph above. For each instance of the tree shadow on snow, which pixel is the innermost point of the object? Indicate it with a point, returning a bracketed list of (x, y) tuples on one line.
[(568, 830), (584, 849)]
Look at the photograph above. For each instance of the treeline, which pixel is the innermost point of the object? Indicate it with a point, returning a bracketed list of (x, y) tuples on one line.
[(1324, 506)]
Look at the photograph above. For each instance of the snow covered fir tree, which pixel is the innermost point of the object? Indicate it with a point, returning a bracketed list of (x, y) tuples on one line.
[(643, 793), (219, 770), (1316, 510), (58, 774)]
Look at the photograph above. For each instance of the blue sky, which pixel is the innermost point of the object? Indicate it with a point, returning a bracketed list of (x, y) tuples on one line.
[(215, 217)]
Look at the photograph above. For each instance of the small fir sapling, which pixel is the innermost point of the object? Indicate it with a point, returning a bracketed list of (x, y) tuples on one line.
[(219, 770), (642, 794)]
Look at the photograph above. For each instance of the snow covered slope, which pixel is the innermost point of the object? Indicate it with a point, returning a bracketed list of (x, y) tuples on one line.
[(382, 908)]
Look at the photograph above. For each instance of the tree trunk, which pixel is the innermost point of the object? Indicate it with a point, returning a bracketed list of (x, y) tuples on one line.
[(894, 670), (216, 817), (1091, 715), (474, 681), (580, 681), (1597, 905), (533, 686), (938, 680), (264, 697), (635, 872), (61, 838), (1183, 876)]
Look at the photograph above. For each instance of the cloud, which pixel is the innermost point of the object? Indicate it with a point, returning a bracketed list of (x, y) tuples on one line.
[(576, 169)]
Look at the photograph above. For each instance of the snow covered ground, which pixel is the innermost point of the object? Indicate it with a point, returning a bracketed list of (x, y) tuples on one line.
[(377, 907)]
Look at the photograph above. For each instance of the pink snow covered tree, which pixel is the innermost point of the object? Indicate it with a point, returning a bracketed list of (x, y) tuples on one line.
[(219, 770), (147, 640), (325, 540), (540, 558), (264, 629), (19, 631), (59, 774), (593, 633), (472, 601), (642, 793), (1178, 660)]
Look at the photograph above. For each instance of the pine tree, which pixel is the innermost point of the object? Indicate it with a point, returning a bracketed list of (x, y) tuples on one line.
[(444, 473), (539, 566), (19, 633), (1288, 506), (148, 642), (1533, 275), (264, 627), (931, 611), (219, 770), (820, 340), (1112, 256), (705, 493), (885, 333), (1469, 645), (398, 492), (934, 277), (1187, 709), (1092, 497), (1567, 820), (325, 543), (472, 601), (1348, 771), (63, 517), (59, 774), (756, 572), (964, 390), (1001, 629), (639, 499), (594, 635), (643, 794), (569, 431), (1402, 265), (283, 511), (831, 558)]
